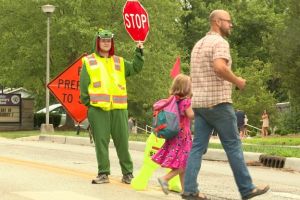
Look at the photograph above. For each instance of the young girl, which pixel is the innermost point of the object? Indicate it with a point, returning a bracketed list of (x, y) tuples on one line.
[(174, 152)]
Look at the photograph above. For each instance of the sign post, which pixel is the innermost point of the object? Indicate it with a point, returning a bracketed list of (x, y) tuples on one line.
[(65, 87), (136, 20)]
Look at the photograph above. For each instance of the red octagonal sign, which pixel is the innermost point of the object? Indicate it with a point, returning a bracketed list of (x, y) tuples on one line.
[(136, 20)]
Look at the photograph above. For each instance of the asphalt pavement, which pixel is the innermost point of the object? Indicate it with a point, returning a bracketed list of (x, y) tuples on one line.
[(212, 154)]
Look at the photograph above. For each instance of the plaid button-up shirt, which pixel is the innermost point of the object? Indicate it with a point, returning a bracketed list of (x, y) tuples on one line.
[(209, 89)]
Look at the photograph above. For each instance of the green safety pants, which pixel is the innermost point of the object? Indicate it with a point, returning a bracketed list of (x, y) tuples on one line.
[(112, 123)]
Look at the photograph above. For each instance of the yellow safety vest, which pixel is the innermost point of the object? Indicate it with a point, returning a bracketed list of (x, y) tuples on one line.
[(107, 88)]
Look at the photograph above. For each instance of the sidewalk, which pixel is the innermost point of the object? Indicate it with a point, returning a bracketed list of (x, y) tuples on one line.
[(212, 154)]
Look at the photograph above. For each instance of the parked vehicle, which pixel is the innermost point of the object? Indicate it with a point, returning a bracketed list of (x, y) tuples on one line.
[(59, 109)]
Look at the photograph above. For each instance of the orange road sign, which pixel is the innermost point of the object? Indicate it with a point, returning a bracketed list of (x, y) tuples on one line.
[(65, 87)]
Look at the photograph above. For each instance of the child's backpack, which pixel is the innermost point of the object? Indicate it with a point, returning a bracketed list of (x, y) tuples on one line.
[(166, 118)]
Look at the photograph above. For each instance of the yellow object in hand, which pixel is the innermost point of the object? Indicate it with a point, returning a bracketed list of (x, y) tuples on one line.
[(140, 182)]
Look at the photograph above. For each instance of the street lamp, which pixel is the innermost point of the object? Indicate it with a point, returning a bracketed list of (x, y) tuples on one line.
[(48, 9)]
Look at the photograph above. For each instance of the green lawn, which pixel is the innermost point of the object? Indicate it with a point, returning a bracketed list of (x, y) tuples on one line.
[(274, 150), (82, 133), (289, 141), (18, 134), (286, 146), (138, 137), (278, 146)]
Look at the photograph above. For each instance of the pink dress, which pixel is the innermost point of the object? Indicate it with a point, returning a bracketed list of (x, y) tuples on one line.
[(174, 152)]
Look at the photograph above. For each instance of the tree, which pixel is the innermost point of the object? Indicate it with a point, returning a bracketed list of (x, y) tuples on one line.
[(286, 53), (160, 54), (253, 26), (73, 27), (250, 40), (255, 97)]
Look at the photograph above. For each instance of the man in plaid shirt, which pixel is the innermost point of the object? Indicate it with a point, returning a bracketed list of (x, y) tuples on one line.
[(212, 81)]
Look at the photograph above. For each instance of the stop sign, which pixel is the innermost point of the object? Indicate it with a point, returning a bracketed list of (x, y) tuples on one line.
[(136, 20)]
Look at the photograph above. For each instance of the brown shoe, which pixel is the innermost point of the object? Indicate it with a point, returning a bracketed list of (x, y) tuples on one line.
[(199, 196), (256, 192)]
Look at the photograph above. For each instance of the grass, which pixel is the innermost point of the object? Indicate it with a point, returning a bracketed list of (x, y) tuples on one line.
[(18, 134), (138, 137), (289, 141), (273, 150), (82, 133), (278, 146)]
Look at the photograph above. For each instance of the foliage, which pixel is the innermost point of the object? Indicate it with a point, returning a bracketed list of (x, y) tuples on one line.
[(289, 122), (252, 35), (40, 118), (160, 54), (286, 52), (72, 29), (255, 97), (264, 47), (253, 26), (252, 133)]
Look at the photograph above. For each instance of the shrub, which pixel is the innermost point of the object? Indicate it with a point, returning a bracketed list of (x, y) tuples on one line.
[(252, 133), (40, 118), (289, 122)]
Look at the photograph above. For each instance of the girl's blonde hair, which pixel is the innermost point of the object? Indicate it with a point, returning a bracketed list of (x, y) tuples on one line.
[(181, 86)]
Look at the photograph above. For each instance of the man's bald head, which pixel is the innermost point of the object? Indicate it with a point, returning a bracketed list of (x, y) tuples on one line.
[(220, 22), (218, 14)]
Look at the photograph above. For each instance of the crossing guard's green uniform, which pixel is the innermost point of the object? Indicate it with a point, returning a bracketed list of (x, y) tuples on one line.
[(113, 121)]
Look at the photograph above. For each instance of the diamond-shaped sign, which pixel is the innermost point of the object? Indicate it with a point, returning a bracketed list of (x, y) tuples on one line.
[(65, 87)]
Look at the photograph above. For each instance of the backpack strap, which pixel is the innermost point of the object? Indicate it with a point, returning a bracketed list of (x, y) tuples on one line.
[(160, 127), (180, 113)]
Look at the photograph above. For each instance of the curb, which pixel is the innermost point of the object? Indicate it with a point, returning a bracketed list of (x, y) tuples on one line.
[(211, 154), (292, 163), (220, 155)]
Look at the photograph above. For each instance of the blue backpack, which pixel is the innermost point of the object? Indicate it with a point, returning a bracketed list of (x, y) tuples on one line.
[(166, 118)]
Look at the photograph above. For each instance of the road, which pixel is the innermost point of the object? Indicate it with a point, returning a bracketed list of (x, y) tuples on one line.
[(34, 170)]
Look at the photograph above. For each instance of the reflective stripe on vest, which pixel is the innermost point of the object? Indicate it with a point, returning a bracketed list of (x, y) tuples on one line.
[(99, 98), (119, 99), (117, 63), (92, 60), (97, 84)]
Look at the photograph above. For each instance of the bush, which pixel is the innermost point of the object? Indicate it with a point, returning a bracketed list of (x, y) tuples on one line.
[(252, 133), (40, 118), (281, 132), (289, 122)]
